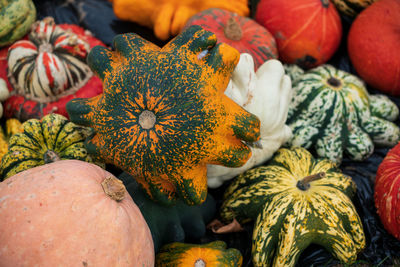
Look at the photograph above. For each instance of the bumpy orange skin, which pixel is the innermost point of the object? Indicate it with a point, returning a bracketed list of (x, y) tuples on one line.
[(168, 17), (307, 32), (195, 123)]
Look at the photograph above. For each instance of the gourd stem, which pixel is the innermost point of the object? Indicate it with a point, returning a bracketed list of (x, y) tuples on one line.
[(232, 30), (50, 156), (199, 263), (334, 82), (114, 188), (325, 3), (304, 183)]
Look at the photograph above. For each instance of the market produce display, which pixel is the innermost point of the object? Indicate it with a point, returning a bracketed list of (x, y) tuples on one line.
[(16, 18), (242, 33), (178, 116), (211, 254), (68, 213), (261, 93), (330, 111), (47, 70), (296, 200), (173, 132), (44, 141), (307, 32)]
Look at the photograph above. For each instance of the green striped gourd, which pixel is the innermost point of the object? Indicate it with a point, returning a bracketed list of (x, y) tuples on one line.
[(296, 200), (44, 141), (16, 18), (332, 111), (351, 7)]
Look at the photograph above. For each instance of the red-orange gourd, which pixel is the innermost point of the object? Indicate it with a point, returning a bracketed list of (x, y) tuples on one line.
[(307, 32), (71, 213)]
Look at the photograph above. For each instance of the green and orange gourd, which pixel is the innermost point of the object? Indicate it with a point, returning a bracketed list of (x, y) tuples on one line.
[(163, 115)]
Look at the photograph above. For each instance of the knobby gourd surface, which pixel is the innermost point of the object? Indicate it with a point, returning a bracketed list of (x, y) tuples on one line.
[(163, 115), (296, 200)]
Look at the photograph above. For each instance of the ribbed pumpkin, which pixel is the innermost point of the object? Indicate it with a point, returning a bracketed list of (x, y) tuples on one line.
[(170, 223), (296, 200), (307, 32), (13, 126), (51, 139), (387, 191), (213, 254), (71, 213), (163, 115), (242, 33), (351, 7), (16, 18), (48, 70), (332, 111), (168, 17)]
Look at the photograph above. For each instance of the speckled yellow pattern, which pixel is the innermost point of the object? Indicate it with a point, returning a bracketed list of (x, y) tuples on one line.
[(163, 115), (288, 218)]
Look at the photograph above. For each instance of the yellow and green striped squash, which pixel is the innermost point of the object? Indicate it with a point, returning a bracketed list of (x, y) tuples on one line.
[(351, 8), (293, 208), (332, 111), (43, 141), (214, 254)]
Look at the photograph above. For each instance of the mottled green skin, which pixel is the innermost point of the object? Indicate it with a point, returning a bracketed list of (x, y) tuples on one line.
[(54, 133), (170, 223), (195, 124), (217, 255), (339, 118), (16, 18), (288, 219)]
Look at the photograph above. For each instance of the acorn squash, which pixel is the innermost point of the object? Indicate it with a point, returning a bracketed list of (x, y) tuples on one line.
[(16, 18), (163, 115), (332, 111), (214, 254), (51, 139), (296, 200)]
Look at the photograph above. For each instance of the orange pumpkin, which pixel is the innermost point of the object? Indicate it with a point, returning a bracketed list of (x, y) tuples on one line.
[(164, 116), (71, 213), (168, 17)]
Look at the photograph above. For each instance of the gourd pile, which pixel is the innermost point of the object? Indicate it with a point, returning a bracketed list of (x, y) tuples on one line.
[(201, 133)]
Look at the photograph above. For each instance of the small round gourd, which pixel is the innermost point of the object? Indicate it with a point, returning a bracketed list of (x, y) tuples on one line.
[(195, 255), (332, 111), (71, 213), (16, 18), (296, 200), (44, 141)]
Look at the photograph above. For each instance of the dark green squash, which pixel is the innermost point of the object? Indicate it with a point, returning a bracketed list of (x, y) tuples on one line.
[(170, 223)]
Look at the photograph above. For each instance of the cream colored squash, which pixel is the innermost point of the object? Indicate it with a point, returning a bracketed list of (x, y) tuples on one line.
[(265, 93)]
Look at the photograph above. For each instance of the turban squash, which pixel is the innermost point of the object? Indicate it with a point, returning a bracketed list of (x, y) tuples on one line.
[(44, 141), (332, 111), (47, 70), (163, 115), (296, 200), (211, 254), (16, 18)]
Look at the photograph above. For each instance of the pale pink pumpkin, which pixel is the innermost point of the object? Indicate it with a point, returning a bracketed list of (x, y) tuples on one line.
[(58, 214)]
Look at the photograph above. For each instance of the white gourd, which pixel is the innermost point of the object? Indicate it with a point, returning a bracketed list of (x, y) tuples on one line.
[(265, 93)]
